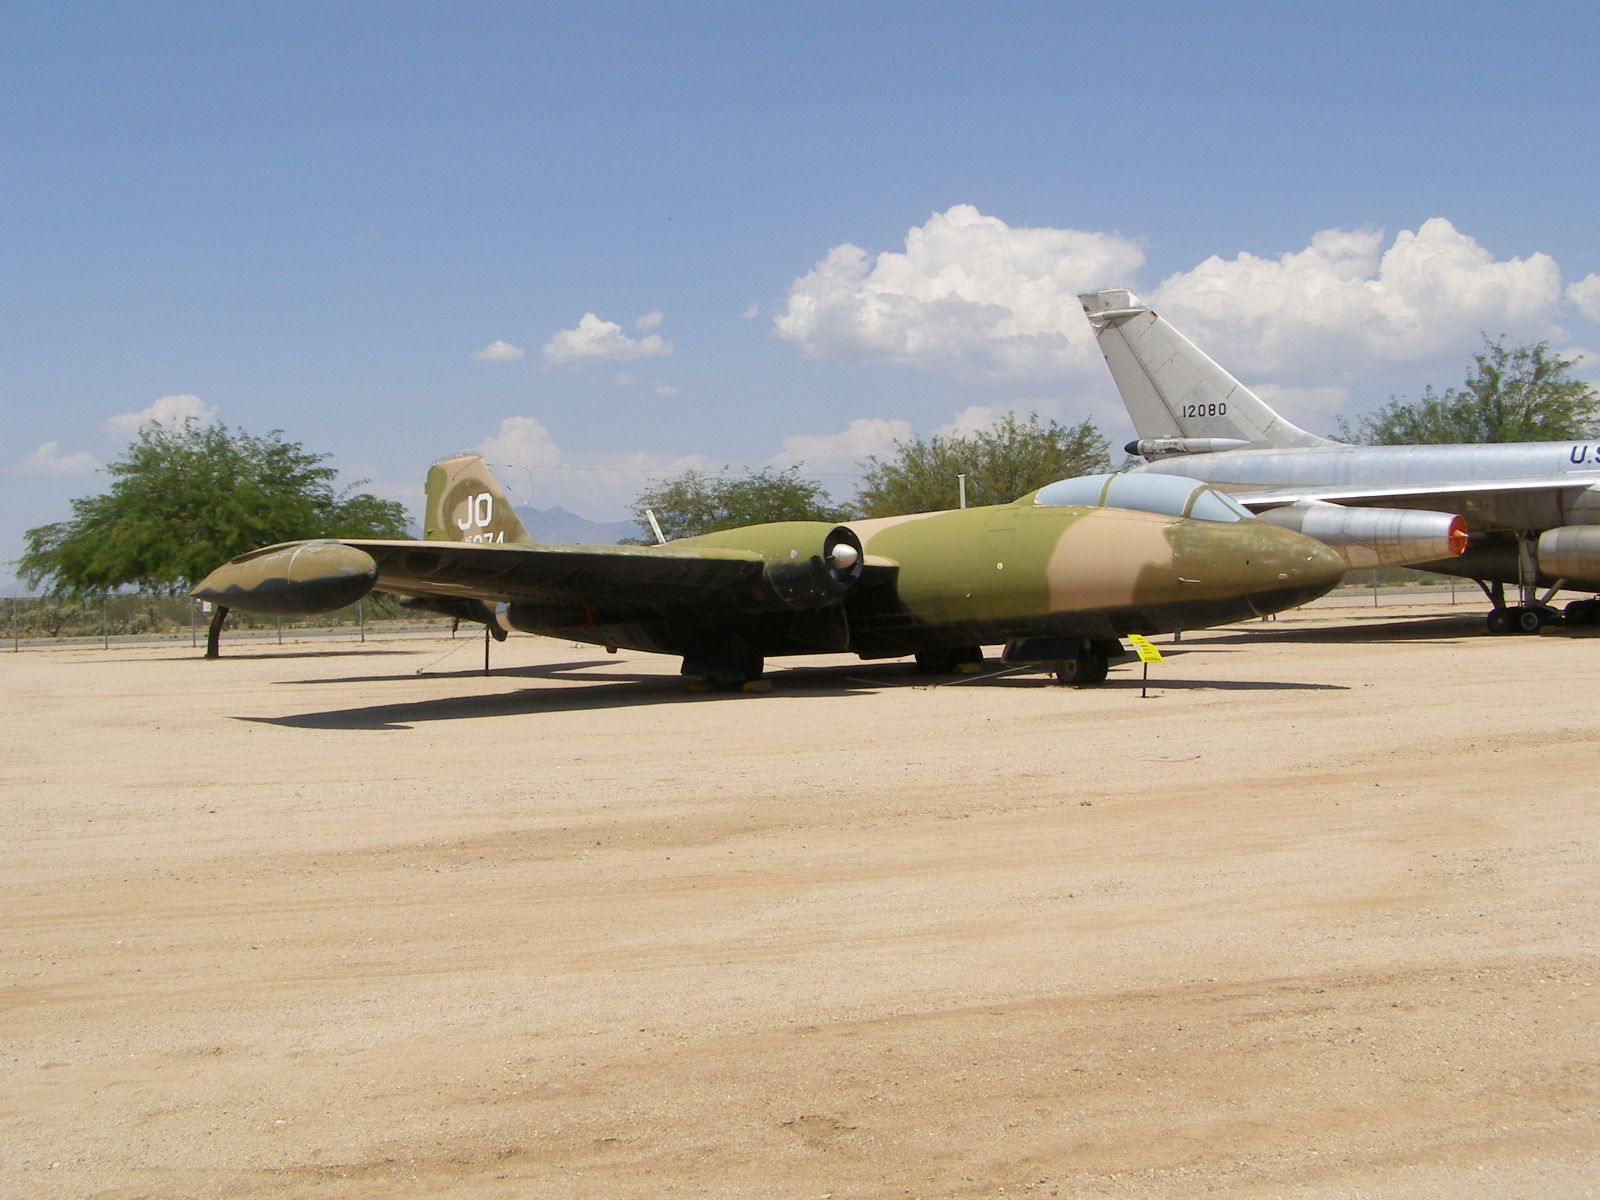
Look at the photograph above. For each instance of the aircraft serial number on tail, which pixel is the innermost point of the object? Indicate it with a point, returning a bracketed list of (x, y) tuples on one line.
[(1219, 409)]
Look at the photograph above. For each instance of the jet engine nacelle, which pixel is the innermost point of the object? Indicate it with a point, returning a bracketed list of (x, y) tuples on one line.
[(821, 579), (1570, 552), (1376, 537)]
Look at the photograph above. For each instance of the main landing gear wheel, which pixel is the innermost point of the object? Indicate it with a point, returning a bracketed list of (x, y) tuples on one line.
[(725, 662), (963, 660), (1088, 667)]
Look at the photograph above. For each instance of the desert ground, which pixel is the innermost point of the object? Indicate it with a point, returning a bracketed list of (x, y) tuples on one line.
[(1319, 917)]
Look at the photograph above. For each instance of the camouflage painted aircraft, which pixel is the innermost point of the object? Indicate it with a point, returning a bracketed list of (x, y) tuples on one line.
[(1056, 577), (1524, 513)]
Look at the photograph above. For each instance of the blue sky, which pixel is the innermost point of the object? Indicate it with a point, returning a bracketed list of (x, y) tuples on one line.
[(603, 241)]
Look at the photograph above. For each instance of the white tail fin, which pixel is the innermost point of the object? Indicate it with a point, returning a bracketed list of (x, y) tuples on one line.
[(1174, 392)]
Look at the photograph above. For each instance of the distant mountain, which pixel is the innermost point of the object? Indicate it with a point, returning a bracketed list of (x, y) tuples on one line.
[(560, 526)]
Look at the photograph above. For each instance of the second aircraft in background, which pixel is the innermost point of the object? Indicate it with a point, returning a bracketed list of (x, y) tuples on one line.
[(1526, 514)]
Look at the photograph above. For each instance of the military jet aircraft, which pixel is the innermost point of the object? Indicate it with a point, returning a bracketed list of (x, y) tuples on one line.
[(1056, 577), (1523, 513)]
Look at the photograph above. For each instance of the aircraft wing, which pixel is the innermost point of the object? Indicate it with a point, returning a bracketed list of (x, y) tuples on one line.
[(301, 577), (1471, 498), (545, 574)]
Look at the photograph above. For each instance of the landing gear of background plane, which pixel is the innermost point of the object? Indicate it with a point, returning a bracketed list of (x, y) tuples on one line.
[(1530, 616), (963, 660), (1583, 612), (1523, 618)]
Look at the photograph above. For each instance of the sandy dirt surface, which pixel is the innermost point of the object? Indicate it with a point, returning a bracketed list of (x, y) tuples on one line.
[(1319, 918)]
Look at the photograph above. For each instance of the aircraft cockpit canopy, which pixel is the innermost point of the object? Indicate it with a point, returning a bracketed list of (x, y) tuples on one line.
[(1164, 495)]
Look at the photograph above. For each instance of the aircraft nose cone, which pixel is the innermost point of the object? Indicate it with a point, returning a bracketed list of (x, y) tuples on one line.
[(1324, 565), (1250, 568), (1293, 570)]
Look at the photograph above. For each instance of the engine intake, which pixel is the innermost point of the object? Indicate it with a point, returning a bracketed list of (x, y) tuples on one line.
[(821, 579)]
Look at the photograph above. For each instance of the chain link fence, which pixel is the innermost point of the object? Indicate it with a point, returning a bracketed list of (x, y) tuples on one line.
[(38, 622)]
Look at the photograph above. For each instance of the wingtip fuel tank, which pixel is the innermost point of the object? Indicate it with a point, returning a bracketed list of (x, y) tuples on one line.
[(291, 580)]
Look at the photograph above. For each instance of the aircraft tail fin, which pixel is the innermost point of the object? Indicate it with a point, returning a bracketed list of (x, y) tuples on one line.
[(1180, 400), (465, 503)]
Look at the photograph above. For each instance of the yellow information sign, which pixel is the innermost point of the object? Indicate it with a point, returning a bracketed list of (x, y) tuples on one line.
[(1147, 653)]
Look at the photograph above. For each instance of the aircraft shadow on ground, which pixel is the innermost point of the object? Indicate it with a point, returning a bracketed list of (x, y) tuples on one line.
[(346, 653), (1160, 684), (1449, 628), (279, 656), (543, 671), (626, 691)]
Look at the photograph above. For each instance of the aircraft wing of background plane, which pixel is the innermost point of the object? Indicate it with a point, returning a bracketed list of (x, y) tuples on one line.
[(1055, 577), (1522, 513), (1470, 494)]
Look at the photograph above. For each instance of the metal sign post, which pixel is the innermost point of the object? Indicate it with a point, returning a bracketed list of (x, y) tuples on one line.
[(1147, 655)]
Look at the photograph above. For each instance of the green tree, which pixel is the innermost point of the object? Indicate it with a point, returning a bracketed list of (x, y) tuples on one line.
[(1007, 460), (695, 502), (185, 499), (1513, 394)]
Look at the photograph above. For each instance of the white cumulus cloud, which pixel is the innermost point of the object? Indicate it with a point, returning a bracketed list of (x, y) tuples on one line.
[(1313, 408), (536, 471), (48, 460), (968, 290), (842, 452), (171, 411), (522, 441), (1585, 296), (594, 340), (1351, 307), (973, 419), (498, 351), (1347, 304)]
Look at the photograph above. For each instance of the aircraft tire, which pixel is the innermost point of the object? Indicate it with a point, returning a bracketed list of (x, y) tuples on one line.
[(1084, 670), (1499, 621), (729, 662), (947, 659), (1582, 612), (1528, 620)]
